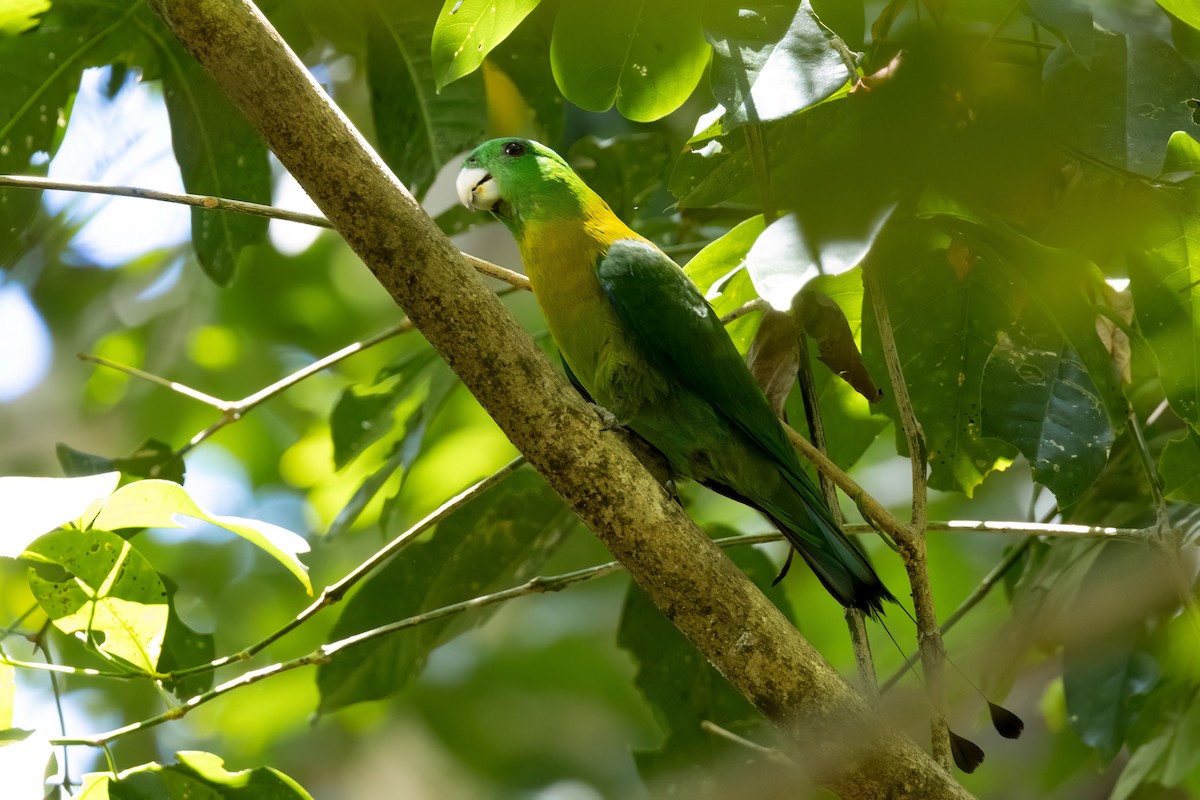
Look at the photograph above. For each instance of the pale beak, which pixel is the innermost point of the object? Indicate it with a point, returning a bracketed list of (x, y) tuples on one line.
[(477, 189)]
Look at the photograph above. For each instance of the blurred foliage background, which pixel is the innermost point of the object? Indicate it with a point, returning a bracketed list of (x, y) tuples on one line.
[(1021, 174)]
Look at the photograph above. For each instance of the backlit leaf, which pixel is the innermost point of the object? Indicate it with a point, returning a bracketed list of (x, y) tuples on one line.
[(467, 30), (33, 506)]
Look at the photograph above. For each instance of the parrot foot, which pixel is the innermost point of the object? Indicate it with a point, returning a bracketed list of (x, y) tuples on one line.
[(608, 420), (672, 491)]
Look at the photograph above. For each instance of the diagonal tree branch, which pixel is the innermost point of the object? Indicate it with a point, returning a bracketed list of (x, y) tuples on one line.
[(697, 587)]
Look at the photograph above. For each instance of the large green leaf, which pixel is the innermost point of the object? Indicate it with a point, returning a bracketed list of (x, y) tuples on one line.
[(1102, 687), (644, 55), (1186, 10), (1168, 758), (418, 129), (196, 776), (220, 154), (183, 646), (96, 584), (496, 540), (155, 503), (945, 326), (770, 59), (1165, 282), (1124, 106), (467, 30), (33, 506), (524, 58), (1038, 397), (682, 688), (39, 74), (723, 256), (1179, 466)]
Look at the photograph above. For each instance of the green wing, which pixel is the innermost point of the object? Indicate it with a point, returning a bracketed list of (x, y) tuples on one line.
[(682, 335)]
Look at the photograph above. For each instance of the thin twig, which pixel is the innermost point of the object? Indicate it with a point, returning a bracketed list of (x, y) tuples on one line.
[(209, 202), (769, 753), (174, 386), (335, 592), (912, 549), (855, 619), (981, 591), (749, 307), (41, 645)]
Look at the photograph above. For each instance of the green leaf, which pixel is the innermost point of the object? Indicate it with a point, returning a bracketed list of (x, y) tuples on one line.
[(1069, 20), (104, 589), (645, 55), (789, 254), (524, 58), (33, 506), (682, 688), (441, 382), (1144, 763), (39, 75), (418, 128), (1186, 10), (1038, 398), (196, 776), (1179, 466), (721, 257), (154, 504), (497, 540), (623, 169), (14, 735), (18, 16), (771, 59), (467, 30), (23, 763), (220, 154), (1124, 106), (945, 326), (185, 647), (151, 459), (1101, 687)]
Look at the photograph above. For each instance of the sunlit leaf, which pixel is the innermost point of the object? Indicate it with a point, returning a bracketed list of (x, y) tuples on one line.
[(220, 154), (96, 584), (771, 59), (524, 58), (8, 691), (33, 506), (787, 255), (155, 503), (496, 540), (646, 56), (467, 30), (23, 760), (419, 129), (1186, 10), (18, 16), (723, 256), (196, 775), (1179, 466)]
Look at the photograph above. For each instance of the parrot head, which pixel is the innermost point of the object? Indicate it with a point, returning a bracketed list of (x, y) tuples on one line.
[(516, 179)]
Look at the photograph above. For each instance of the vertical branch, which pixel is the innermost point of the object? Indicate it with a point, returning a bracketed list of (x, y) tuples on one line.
[(912, 547), (855, 619)]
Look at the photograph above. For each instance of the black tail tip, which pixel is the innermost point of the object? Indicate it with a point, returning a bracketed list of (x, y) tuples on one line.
[(1006, 723), (967, 755)]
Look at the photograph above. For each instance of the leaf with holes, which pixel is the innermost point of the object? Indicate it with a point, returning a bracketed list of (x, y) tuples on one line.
[(94, 583), (646, 56), (467, 30)]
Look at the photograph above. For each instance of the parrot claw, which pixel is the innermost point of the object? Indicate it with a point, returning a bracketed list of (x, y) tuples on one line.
[(608, 420), (672, 491)]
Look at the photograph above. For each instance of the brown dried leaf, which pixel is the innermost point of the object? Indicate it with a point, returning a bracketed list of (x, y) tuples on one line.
[(824, 321), (1115, 340), (774, 357)]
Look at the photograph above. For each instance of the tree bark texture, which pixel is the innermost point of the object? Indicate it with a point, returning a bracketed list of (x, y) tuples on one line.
[(754, 646)]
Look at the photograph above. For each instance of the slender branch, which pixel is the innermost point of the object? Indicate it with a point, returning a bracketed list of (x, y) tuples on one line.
[(212, 203), (994, 576), (43, 647), (749, 307), (12, 628), (769, 753), (335, 592), (174, 386), (912, 548), (855, 619)]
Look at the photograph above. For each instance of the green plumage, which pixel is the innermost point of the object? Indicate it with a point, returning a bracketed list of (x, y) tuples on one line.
[(642, 341)]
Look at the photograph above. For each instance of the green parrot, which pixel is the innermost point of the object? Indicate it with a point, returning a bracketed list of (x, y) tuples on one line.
[(638, 338)]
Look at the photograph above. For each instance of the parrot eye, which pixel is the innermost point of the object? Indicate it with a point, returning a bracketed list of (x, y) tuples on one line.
[(514, 149)]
